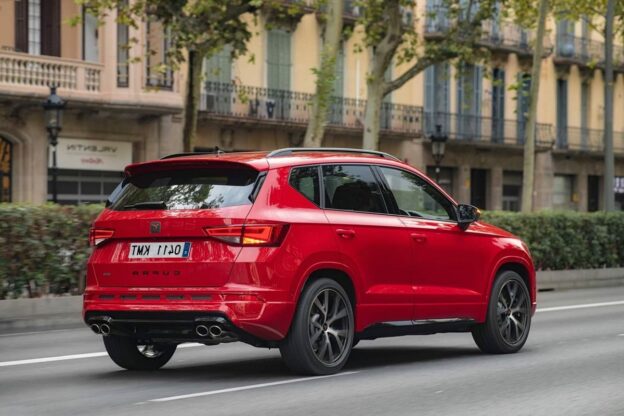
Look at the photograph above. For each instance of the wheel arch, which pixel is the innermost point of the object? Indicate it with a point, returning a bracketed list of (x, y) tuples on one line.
[(524, 269)]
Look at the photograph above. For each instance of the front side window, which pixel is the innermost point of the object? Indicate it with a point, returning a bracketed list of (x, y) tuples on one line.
[(306, 181), (416, 197), (352, 188), (186, 189)]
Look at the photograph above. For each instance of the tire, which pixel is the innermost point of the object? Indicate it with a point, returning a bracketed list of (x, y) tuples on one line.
[(321, 335), (129, 354), (508, 318)]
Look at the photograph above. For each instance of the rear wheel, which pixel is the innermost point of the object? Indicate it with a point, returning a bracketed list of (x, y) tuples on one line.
[(508, 317), (131, 354), (321, 336)]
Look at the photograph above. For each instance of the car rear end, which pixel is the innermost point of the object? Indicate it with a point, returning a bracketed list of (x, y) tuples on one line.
[(164, 249)]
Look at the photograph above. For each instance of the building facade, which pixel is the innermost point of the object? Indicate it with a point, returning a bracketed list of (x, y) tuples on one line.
[(264, 103), (117, 112)]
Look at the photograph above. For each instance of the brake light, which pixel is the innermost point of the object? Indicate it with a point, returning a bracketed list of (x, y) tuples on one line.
[(98, 235), (249, 235)]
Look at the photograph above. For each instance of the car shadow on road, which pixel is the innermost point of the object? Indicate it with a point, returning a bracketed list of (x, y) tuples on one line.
[(371, 357), (272, 367)]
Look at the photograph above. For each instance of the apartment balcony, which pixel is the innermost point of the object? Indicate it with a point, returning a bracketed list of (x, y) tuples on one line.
[(262, 107), (25, 80), (504, 37), (579, 51), (585, 140), (22, 73), (469, 129)]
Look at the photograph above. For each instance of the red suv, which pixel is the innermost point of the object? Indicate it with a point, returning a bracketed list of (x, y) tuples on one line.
[(308, 250)]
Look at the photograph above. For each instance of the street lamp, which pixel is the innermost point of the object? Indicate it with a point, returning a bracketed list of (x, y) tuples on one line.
[(438, 146), (53, 108)]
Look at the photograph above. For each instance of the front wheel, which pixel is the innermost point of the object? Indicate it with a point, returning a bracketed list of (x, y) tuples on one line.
[(321, 335), (508, 317), (131, 354)]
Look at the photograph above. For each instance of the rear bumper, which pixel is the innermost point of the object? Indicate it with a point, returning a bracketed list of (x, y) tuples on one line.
[(256, 316)]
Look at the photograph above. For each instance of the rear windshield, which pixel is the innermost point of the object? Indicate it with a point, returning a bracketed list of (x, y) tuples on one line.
[(185, 189)]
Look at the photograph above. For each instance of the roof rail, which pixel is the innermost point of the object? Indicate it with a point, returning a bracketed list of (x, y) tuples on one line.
[(289, 150), (215, 151)]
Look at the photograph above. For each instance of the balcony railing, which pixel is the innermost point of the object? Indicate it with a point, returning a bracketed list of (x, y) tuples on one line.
[(504, 35), (253, 104), (42, 71), (587, 140), (582, 50), (478, 129), (507, 36)]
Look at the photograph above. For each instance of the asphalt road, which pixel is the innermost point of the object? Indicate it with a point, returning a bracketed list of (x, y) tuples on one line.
[(572, 364)]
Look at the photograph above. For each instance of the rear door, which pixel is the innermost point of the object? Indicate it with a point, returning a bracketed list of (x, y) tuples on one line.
[(158, 221), (373, 242)]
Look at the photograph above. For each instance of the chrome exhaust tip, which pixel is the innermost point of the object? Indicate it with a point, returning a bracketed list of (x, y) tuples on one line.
[(202, 330), (105, 329), (96, 329), (215, 331)]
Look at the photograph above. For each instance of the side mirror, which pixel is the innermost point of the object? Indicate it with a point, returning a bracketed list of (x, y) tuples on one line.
[(466, 215)]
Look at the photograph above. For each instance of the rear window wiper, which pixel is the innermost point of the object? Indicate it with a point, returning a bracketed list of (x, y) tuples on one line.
[(147, 205)]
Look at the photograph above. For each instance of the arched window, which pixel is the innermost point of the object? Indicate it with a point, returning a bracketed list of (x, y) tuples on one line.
[(6, 154)]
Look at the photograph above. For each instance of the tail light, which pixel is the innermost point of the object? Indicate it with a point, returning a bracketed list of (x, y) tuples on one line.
[(98, 235), (249, 235)]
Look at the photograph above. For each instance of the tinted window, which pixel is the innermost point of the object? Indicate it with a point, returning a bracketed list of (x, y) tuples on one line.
[(352, 188), (186, 189), (415, 197), (306, 181)]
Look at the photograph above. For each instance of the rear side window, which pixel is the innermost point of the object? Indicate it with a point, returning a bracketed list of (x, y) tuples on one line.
[(352, 188), (306, 181), (186, 189)]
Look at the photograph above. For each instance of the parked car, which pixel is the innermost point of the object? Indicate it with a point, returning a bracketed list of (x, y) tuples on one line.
[(308, 250)]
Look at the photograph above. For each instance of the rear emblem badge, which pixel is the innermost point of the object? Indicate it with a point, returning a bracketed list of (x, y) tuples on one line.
[(154, 227)]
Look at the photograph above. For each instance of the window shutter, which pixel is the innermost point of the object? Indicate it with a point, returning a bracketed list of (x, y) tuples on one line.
[(51, 27), (461, 105), (272, 60), (429, 96), (446, 90), (21, 25), (338, 90), (478, 85)]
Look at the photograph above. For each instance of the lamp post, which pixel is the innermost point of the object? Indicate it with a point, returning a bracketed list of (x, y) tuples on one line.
[(438, 147), (53, 108)]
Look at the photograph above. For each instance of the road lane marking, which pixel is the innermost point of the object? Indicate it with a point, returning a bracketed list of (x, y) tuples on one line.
[(243, 388), (70, 357), (584, 306)]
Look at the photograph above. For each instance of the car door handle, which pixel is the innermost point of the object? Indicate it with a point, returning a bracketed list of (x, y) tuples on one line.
[(419, 238), (345, 233)]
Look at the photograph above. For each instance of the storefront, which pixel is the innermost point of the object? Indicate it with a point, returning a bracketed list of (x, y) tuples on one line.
[(6, 156), (88, 170)]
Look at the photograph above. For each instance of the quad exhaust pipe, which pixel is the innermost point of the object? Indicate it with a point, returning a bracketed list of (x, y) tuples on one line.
[(96, 329), (214, 331)]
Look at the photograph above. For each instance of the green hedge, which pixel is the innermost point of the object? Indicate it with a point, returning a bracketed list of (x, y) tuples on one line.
[(561, 240), (43, 249)]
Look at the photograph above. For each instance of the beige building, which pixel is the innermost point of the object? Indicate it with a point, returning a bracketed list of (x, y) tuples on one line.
[(264, 104)]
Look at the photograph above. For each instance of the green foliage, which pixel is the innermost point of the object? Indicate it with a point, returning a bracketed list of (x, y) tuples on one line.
[(561, 240), (43, 249)]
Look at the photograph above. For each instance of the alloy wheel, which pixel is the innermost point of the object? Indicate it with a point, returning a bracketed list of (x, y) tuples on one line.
[(329, 326), (513, 312)]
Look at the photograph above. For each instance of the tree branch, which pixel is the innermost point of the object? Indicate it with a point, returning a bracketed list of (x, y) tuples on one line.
[(417, 68)]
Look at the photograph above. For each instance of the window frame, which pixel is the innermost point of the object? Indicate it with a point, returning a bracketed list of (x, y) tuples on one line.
[(375, 177), (395, 205), (319, 174)]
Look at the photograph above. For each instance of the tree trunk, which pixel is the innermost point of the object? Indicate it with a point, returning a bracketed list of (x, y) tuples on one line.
[(191, 101), (528, 177), (609, 173), (372, 113), (325, 75)]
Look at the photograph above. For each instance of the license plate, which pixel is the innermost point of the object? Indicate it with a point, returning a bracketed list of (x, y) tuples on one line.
[(159, 250)]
